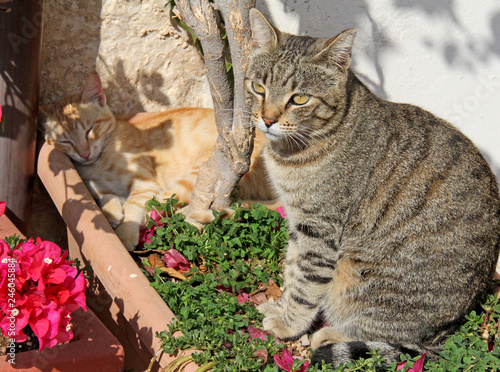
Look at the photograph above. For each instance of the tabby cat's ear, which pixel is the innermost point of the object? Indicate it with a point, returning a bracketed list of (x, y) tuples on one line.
[(264, 35), (338, 50), (92, 90)]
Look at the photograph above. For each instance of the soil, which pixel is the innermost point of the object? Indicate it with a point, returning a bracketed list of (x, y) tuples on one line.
[(30, 344)]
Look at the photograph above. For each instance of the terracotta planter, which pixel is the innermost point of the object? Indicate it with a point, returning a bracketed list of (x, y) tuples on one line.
[(121, 295), (93, 347)]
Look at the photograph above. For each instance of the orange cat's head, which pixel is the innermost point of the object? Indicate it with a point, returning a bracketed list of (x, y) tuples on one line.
[(79, 125)]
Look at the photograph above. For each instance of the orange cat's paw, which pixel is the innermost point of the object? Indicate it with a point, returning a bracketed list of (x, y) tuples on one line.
[(112, 209), (128, 232)]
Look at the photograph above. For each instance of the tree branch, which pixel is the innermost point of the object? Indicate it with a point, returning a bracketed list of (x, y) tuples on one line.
[(231, 158), (199, 15), (236, 16)]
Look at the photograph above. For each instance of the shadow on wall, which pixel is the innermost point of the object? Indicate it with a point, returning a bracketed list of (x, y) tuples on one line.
[(71, 40), (123, 95), (326, 18)]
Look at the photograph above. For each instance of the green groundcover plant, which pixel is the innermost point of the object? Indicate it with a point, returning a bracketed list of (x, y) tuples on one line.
[(221, 266)]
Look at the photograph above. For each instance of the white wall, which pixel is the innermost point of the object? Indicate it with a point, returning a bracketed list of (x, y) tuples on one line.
[(442, 55)]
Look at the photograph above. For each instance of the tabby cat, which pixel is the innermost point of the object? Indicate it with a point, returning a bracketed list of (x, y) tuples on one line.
[(394, 215), (124, 164)]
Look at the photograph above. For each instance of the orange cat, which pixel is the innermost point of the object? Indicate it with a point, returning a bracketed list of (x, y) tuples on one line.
[(124, 164)]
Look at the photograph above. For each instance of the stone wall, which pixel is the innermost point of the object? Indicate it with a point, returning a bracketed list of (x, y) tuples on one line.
[(144, 59)]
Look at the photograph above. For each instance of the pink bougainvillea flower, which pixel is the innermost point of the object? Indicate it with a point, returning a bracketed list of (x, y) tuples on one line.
[(175, 260), (65, 332), (45, 288), (286, 361), (21, 317), (146, 234), (70, 293), (418, 366), (281, 211), (45, 325), (3, 205)]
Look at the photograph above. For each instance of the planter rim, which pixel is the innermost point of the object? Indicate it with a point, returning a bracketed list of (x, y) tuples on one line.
[(141, 305)]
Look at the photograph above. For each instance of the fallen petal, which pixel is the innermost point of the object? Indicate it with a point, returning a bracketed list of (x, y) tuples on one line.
[(174, 259), (262, 353), (257, 333)]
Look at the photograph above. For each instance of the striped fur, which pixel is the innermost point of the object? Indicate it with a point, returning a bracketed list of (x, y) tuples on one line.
[(394, 214), (124, 164)]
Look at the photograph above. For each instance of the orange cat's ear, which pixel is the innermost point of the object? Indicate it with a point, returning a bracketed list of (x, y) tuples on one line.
[(264, 35), (338, 50), (92, 90)]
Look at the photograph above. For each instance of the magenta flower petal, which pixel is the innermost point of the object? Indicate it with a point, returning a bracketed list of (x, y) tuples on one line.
[(282, 364), (418, 366), (175, 260), (156, 217), (21, 321), (304, 367), (257, 333), (400, 365), (40, 327), (3, 205), (243, 297), (286, 360), (281, 211)]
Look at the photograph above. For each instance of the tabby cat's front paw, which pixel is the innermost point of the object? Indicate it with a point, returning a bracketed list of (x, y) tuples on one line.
[(128, 232), (271, 309), (276, 326), (273, 321)]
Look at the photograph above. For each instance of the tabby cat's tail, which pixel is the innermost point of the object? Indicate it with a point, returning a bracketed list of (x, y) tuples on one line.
[(344, 352)]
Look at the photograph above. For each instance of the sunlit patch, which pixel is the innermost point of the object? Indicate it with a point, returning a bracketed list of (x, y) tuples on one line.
[(69, 109)]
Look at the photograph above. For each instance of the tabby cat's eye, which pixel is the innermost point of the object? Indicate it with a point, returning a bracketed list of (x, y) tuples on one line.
[(259, 89), (300, 99)]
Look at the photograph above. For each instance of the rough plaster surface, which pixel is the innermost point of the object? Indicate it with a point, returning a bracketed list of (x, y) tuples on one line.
[(145, 62)]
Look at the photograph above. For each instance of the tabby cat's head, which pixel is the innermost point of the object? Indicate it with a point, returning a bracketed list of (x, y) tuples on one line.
[(295, 85), (79, 125)]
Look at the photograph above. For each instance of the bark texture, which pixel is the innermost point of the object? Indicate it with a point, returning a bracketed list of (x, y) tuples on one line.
[(231, 158)]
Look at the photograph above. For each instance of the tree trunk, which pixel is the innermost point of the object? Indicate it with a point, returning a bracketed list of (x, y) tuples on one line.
[(231, 158)]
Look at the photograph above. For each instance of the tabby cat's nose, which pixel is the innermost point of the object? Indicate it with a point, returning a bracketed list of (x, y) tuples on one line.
[(269, 122)]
